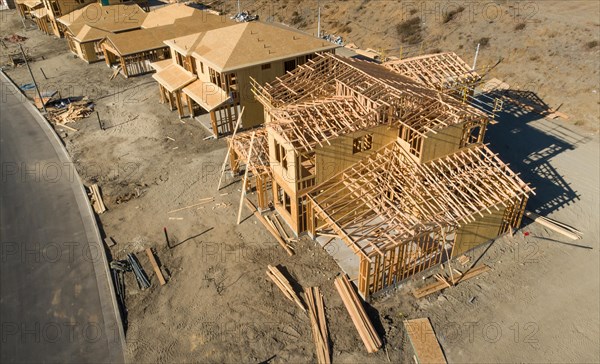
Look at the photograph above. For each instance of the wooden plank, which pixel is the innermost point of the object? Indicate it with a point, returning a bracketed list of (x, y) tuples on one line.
[(424, 342), (281, 281), (438, 286), (552, 225), (260, 218), (155, 266), (358, 314)]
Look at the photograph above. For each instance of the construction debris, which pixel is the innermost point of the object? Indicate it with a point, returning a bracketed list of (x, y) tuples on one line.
[(74, 111), (270, 228), (316, 312), (15, 38), (557, 226), (424, 342), (96, 199), (358, 314), (442, 284), (284, 285), (155, 266), (463, 260), (140, 275), (243, 17), (202, 202)]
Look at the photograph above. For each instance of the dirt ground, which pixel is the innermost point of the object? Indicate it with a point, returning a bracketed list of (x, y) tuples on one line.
[(539, 303)]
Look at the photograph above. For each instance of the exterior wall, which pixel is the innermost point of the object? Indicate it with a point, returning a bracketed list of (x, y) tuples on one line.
[(88, 52), (479, 231), (286, 176), (446, 141), (338, 156), (63, 7)]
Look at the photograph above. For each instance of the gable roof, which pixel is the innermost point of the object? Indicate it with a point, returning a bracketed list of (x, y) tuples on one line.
[(332, 96), (166, 15), (94, 21), (248, 44), (144, 39)]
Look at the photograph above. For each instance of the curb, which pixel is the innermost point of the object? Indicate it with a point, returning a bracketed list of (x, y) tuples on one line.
[(86, 212)]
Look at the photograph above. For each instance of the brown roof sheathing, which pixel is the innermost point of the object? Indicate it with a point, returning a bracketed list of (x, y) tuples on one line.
[(160, 65), (31, 4), (94, 21), (248, 44), (207, 94), (174, 77), (168, 14), (146, 39)]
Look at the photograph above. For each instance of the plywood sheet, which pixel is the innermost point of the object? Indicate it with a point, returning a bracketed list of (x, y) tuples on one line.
[(423, 339)]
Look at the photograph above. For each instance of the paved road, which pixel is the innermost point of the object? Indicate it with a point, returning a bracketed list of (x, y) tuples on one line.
[(56, 304)]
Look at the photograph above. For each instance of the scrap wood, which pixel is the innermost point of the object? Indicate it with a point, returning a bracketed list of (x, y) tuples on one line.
[(438, 286), (96, 198), (115, 73), (75, 111), (463, 260), (284, 285), (67, 127), (316, 312), (358, 314), (202, 202), (273, 232), (424, 342), (155, 266), (557, 226)]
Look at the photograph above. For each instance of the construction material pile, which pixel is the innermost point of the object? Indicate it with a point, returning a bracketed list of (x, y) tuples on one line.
[(15, 38), (71, 113)]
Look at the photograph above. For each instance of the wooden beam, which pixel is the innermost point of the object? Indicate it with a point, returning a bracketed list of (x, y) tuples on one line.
[(155, 266)]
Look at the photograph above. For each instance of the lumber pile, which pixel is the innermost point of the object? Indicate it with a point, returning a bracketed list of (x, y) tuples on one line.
[(316, 312), (557, 226), (358, 314), (463, 260), (284, 285), (96, 199), (441, 284), (75, 111), (424, 342)]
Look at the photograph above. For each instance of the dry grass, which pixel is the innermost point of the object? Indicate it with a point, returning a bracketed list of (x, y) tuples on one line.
[(410, 30)]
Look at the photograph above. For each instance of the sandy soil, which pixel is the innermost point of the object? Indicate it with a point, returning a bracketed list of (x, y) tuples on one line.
[(539, 303)]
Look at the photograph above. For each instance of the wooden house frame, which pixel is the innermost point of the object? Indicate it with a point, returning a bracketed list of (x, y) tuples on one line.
[(224, 60), (402, 217), (394, 169), (441, 71), (26, 7), (40, 17), (85, 28)]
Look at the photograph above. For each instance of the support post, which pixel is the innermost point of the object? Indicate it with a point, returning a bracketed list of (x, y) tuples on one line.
[(32, 78), (237, 124), (245, 178)]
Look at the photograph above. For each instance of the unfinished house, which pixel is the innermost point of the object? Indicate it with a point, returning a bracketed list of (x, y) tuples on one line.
[(40, 17), (86, 27), (210, 72), (133, 51), (25, 7), (57, 8), (390, 171)]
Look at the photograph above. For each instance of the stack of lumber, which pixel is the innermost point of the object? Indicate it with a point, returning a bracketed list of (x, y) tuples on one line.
[(75, 111), (284, 285), (316, 312), (96, 199), (557, 226), (424, 342), (358, 314)]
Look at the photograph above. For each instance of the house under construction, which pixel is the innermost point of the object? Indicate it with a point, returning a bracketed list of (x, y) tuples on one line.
[(386, 163)]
